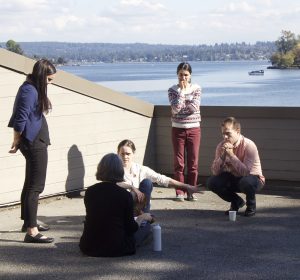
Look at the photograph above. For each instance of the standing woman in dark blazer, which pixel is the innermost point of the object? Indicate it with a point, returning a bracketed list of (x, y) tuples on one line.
[(31, 136)]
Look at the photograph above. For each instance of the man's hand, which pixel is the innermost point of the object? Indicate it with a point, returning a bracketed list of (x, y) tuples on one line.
[(227, 149)]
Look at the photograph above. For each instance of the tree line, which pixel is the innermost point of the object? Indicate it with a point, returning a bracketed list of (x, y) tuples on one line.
[(61, 53), (283, 53)]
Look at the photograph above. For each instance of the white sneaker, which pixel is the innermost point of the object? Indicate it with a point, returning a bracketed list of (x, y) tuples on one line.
[(179, 197)]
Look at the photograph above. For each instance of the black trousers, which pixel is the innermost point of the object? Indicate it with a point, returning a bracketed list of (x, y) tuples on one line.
[(226, 186), (36, 156)]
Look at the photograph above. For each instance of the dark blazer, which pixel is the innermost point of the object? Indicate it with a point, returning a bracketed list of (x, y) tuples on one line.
[(109, 223), (26, 117)]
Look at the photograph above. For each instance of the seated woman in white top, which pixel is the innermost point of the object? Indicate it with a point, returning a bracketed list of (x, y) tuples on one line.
[(139, 179)]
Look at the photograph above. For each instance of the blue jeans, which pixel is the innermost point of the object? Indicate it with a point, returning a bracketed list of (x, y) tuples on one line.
[(226, 186), (146, 187), (142, 234)]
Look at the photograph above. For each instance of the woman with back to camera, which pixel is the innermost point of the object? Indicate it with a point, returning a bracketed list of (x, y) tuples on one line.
[(184, 99), (31, 136), (110, 229), (139, 178)]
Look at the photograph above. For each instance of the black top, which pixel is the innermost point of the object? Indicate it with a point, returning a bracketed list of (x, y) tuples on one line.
[(43, 135), (42, 140), (109, 223)]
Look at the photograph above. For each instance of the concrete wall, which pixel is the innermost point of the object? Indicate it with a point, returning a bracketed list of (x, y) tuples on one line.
[(85, 123), (276, 132)]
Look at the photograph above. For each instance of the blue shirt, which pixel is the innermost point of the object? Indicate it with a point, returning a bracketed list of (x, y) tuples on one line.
[(26, 117)]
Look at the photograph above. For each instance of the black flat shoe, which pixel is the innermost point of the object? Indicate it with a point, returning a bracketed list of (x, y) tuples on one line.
[(235, 207), (37, 239), (40, 228), (43, 227), (249, 212)]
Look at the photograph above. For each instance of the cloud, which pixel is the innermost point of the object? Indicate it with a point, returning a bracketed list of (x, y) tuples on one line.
[(266, 2), (250, 21), (38, 19), (19, 6), (136, 9), (148, 21), (69, 20), (132, 18), (236, 8), (142, 4)]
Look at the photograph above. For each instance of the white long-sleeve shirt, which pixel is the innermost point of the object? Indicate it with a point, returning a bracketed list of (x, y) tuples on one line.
[(139, 172)]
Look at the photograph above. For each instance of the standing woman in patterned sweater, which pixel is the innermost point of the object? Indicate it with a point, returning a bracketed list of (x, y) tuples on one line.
[(184, 99)]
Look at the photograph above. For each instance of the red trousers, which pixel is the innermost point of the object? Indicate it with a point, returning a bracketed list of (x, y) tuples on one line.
[(186, 145)]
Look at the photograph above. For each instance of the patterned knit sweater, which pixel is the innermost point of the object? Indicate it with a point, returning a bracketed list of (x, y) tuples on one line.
[(185, 106)]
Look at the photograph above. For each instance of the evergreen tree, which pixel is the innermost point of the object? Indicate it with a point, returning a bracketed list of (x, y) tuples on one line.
[(12, 46), (288, 50)]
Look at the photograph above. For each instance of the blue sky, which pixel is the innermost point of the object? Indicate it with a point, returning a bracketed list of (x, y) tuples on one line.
[(189, 22)]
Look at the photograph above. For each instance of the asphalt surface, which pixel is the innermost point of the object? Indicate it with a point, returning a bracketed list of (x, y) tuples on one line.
[(199, 242)]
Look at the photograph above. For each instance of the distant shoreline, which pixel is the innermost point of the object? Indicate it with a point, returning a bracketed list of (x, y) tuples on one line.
[(284, 68), (105, 52)]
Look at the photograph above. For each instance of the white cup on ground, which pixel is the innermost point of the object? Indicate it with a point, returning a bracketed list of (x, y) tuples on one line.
[(232, 216)]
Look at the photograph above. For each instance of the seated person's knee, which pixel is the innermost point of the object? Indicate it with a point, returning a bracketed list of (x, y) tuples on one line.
[(146, 184)]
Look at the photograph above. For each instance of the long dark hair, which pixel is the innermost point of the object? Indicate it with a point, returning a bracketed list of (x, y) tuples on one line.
[(184, 66), (38, 78)]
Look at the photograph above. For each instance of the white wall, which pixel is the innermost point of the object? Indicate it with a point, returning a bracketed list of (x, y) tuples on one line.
[(82, 129)]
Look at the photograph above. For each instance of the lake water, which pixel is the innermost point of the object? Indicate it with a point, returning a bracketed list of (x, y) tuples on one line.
[(223, 83)]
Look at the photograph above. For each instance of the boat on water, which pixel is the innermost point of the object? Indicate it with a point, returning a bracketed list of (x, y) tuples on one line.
[(257, 72)]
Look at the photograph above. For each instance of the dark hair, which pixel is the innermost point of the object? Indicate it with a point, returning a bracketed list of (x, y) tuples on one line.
[(41, 69), (110, 169), (184, 66), (232, 120), (128, 143)]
